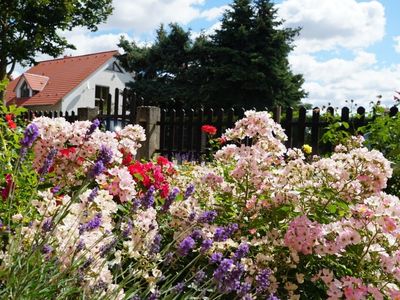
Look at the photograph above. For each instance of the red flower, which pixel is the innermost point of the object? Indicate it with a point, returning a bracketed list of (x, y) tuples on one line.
[(163, 161), (67, 151), (6, 190), (127, 159), (209, 129), (222, 140), (11, 123)]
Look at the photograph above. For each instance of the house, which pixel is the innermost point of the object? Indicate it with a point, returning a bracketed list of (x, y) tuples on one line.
[(64, 84)]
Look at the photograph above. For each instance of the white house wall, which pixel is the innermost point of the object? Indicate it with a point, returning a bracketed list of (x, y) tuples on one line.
[(84, 94), (56, 107)]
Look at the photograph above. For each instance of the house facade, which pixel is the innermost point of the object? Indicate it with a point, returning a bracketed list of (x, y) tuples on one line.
[(67, 83)]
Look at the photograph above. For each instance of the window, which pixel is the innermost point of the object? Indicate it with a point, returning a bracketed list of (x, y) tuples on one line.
[(101, 95), (24, 90)]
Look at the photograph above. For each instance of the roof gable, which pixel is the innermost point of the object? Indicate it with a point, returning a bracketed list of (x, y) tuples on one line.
[(63, 75)]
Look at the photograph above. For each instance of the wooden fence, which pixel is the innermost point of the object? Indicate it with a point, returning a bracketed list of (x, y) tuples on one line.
[(180, 130)]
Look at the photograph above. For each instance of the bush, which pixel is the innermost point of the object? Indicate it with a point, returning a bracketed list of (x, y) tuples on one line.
[(258, 222)]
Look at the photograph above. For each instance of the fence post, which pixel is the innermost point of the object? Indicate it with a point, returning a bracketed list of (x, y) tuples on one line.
[(87, 113), (149, 117)]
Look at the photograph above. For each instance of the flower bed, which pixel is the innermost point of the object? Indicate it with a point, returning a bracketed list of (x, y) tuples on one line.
[(81, 218)]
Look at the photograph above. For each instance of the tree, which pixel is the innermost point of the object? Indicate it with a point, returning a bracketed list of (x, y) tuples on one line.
[(245, 63), (160, 69), (249, 59), (29, 27)]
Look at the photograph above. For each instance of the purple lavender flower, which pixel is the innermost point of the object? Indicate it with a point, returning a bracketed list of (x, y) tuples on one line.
[(30, 135), (228, 275), (205, 245), (186, 245), (223, 269), (231, 229), (262, 280), (155, 295), (196, 234), (216, 257), (105, 155), (56, 189), (47, 249), (189, 191), (93, 194), (207, 217), (168, 258), (192, 215), (148, 198), (171, 197), (241, 251), (155, 246), (199, 277), (272, 297), (95, 124), (92, 224), (223, 233), (127, 229), (47, 225), (97, 169), (135, 204), (87, 263), (179, 287), (80, 246), (220, 234), (244, 289), (47, 163), (105, 249)]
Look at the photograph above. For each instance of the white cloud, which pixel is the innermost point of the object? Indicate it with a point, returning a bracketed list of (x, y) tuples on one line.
[(142, 16), (214, 13), (85, 42), (337, 80), (329, 25)]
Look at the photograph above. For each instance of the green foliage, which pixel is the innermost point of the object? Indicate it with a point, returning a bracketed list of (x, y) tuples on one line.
[(383, 134), (31, 27), (242, 64)]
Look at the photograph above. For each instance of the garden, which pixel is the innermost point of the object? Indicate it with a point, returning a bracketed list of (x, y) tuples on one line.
[(81, 218)]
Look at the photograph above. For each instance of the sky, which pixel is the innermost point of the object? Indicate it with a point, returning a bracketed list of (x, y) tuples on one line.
[(347, 49)]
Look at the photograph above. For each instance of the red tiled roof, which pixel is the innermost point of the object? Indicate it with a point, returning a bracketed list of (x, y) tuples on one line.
[(64, 75), (35, 82)]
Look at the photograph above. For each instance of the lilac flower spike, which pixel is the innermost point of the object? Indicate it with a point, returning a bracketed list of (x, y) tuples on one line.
[(92, 224), (48, 162), (30, 135), (105, 155), (189, 191), (186, 245), (241, 251), (207, 217), (148, 198), (171, 197), (95, 124), (97, 169)]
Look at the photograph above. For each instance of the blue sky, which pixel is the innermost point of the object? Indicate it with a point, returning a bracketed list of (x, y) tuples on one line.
[(347, 49)]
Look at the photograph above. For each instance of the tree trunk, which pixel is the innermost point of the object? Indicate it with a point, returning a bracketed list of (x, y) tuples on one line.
[(3, 75)]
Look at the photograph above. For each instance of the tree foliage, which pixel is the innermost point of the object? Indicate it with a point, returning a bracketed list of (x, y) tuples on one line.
[(29, 27), (244, 63)]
